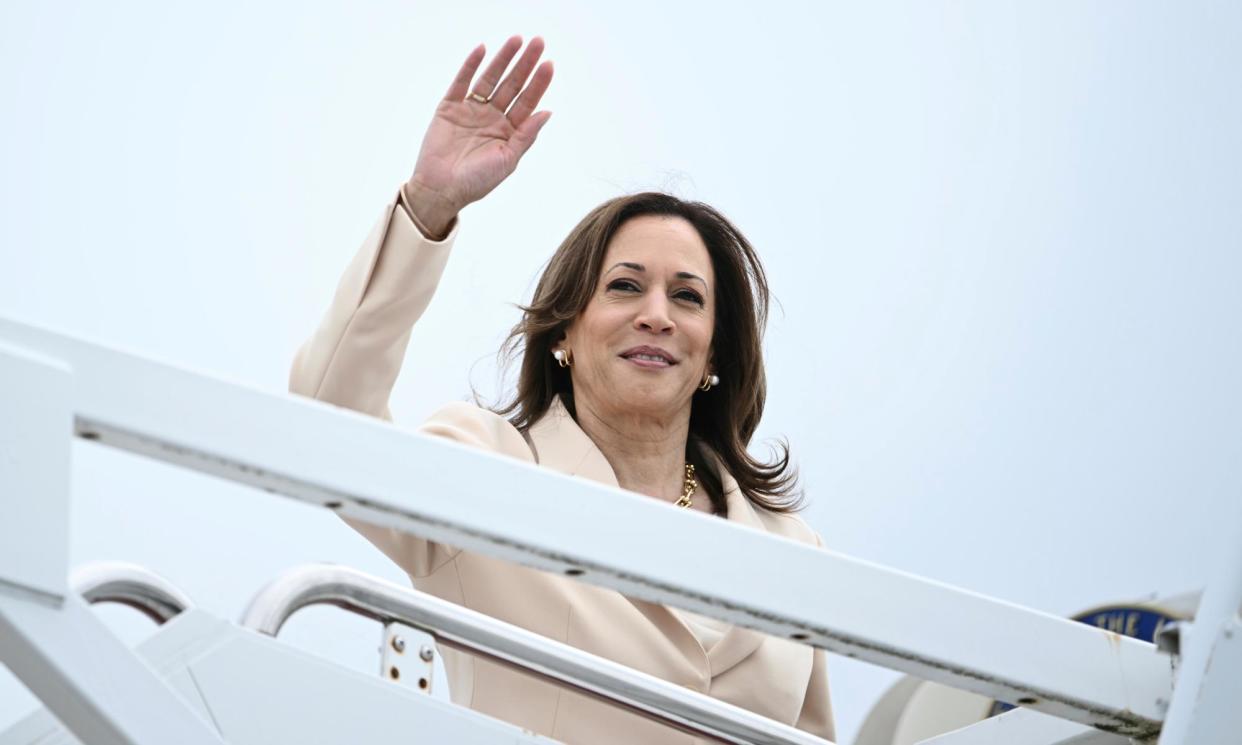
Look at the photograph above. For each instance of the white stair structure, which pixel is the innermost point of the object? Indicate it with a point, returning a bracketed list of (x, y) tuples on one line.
[(1074, 683), (249, 688), (224, 668), (915, 711)]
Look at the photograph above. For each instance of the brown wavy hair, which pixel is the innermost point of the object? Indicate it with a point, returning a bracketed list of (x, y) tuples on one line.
[(723, 419)]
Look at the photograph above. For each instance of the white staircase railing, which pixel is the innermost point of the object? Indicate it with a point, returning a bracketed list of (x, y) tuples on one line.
[(478, 634), (362, 468)]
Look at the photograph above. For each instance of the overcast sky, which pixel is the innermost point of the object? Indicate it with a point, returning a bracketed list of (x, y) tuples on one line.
[(1004, 238)]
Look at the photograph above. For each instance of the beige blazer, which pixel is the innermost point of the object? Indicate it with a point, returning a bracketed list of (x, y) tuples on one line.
[(353, 359)]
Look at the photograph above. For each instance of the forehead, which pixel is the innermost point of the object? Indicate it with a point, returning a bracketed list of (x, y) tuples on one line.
[(660, 243)]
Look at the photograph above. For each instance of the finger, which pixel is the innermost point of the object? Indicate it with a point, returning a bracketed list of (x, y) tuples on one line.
[(529, 99), (516, 78), (525, 135), (461, 83), (491, 76)]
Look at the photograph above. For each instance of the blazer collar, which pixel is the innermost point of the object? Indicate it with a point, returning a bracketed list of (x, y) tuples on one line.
[(560, 444)]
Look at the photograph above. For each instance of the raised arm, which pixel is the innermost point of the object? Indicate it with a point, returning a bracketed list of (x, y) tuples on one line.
[(481, 129), (353, 358)]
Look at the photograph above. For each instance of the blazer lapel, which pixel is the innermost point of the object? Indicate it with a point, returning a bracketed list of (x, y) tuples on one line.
[(560, 444), (738, 642)]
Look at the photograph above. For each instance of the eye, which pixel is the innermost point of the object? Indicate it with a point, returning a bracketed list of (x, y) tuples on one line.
[(625, 285), (690, 295)]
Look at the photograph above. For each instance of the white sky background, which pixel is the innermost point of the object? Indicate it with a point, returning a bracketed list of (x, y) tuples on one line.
[(1005, 241)]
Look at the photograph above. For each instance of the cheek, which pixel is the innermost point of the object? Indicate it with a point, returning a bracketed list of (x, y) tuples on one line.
[(604, 326), (704, 334), (591, 336)]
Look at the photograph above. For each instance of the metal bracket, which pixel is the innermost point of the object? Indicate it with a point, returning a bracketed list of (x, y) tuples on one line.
[(1169, 638), (408, 656)]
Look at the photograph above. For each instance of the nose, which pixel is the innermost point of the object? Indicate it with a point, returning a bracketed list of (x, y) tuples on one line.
[(653, 315)]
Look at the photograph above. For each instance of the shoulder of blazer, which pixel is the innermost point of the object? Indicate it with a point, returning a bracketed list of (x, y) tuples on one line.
[(745, 512), (788, 525), (478, 427)]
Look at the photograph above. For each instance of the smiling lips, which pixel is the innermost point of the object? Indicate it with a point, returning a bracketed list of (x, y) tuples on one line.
[(649, 357)]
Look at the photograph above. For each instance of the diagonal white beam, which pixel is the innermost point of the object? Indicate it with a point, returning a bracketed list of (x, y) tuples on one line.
[(365, 468), (1209, 677), (90, 680), (1026, 727)]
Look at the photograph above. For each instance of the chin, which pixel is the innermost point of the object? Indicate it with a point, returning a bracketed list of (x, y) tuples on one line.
[(647, 399)]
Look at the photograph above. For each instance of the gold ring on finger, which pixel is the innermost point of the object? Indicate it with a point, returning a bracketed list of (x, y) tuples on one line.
[(480, 98)]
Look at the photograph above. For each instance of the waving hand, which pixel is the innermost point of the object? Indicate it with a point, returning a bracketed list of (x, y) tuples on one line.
[(481, 129)]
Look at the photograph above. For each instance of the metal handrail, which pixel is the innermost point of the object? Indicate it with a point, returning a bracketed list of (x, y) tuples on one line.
[(469, 631), (132, 585)]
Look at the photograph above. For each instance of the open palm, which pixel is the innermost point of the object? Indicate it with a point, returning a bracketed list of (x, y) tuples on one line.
[(472, 145)]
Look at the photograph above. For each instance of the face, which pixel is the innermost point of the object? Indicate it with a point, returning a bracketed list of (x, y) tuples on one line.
[(643, 344)]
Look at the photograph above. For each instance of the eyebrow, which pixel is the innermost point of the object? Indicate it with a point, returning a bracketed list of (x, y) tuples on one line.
[(641, 268)]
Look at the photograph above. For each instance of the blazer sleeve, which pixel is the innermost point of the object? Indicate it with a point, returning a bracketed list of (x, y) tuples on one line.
[(354, 355), (816, 715), (353, 358)]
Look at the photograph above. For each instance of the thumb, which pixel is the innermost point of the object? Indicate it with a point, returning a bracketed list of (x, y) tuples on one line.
[(525, 135)]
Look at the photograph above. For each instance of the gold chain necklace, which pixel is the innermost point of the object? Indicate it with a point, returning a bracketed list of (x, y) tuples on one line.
[(688, 489)]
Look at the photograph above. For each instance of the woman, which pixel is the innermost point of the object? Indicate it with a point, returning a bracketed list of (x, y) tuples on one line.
[(641, 369)]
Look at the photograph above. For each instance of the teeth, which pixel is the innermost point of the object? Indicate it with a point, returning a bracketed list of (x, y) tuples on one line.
[(649, 357)]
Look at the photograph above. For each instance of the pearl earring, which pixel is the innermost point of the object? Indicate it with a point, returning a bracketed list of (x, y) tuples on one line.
[(564, 357), (710, 381)]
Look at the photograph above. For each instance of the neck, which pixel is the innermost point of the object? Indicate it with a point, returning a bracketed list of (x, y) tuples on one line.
[(647, 453)]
